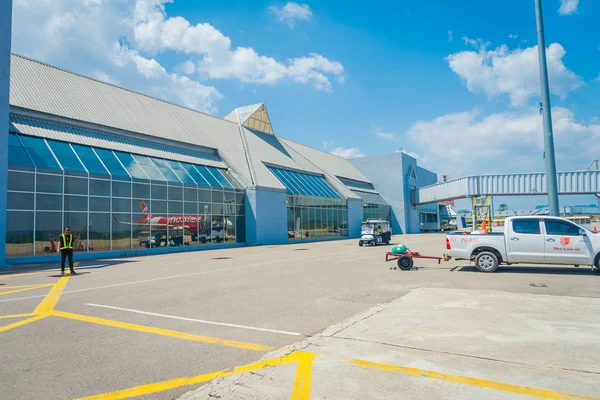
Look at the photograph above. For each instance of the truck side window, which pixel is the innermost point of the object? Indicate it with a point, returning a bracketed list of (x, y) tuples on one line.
[(561, 228), (526, 226)]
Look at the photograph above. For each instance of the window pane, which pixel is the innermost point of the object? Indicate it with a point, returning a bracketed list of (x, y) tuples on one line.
[(99, 188), (212, 181), (230, 230), (204, 208), (190, 194), (141, 191), (113, 165), (121, 189), (17, 157), (50, 202), (217, 196), (526, 226), (195, 174), (204, 231), (21, 181), (142, 235), (149, 167), (217, 208), (561, 228), (76, 185), (19, 201), (240, 229), (190, 208), (99, 232), (121, 231), (175, 208), (121, 205), (175, 193), (159, 192), (49, 183), (218, 230), (90, 160), (66, 156), (158, 208), (181, 172), (99, 204), (219, 175), (76, 203), (131, 165), (204, 195), (78, 223), (47, 232), (165, 170), (40, 153), (19, 233), (239, 197)]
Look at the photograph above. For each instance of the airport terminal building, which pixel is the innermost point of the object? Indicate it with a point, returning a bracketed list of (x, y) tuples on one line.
[(131, 174)]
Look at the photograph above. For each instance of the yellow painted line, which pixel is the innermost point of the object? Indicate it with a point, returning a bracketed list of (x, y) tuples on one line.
[(25, 286), (15, 316), (49, 302), (303, 380), (15, 275), (24, 289), (142, 390), (465, 380), (21, 323), (163, 332)]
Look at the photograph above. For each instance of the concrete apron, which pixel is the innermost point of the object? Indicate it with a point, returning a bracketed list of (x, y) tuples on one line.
[(440, 343)]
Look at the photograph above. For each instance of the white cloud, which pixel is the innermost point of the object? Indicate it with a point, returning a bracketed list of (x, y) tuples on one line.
[(90, 29), (450, 36), (352, 152), (512, 72), (470, 143), (568, 7), (187, 67), (327, 143), (410, 153), (386, 135), (154, 32), (512, 36), (292, 12)]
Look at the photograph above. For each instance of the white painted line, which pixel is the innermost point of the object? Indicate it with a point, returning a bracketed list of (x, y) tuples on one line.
[(326, 256), (196, 320)]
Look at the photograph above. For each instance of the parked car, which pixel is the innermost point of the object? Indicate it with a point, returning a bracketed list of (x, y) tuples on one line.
[(530, 240)]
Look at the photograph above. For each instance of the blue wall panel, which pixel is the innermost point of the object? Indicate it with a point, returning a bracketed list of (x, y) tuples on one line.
[(355, 217)]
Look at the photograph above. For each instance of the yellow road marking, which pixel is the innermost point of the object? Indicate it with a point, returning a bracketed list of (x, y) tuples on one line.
[(303, 380), (192, 380), (15, 275), (465, 380), (49, 302), (15, 316), (24, 286), (163, 332), (21, 323), (24, 289)]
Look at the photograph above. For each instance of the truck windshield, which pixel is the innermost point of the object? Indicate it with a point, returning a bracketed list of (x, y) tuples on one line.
[(367, 229)]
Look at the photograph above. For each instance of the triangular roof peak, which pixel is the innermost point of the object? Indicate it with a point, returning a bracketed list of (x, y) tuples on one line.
[(254, 117)]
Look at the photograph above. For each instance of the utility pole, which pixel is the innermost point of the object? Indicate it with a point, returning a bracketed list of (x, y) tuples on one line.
[(547, 115)]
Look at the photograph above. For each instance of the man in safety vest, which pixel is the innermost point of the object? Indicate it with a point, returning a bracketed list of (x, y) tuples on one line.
[(66, 250)]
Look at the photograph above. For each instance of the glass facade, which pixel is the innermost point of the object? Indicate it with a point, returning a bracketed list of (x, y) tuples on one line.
[(374, 206), (114, 201), (314, 209)]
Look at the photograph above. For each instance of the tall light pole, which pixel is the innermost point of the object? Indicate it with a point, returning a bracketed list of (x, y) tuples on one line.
[(547, 115)]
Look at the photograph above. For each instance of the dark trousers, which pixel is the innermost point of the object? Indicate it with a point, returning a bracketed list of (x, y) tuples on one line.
[(63, 255)]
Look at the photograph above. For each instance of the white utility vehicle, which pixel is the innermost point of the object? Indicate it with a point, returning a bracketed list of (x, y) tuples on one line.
[(529, 240)]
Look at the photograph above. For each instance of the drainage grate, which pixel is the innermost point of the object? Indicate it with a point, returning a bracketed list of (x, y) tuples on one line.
[(222, 258)]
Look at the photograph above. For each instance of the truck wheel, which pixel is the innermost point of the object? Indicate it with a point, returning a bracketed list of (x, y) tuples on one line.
[(405, 263), (486, 262)]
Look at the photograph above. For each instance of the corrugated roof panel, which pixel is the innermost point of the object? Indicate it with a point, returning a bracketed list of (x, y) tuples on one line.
[(371, 198), (65, 133)]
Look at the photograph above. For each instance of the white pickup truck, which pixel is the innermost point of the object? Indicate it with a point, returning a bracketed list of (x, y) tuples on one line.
[(530, 240)]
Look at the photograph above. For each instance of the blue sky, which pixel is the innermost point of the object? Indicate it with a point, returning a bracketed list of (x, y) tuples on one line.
[(455, 84)]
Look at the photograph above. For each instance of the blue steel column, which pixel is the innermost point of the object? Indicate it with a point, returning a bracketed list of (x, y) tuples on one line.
[(5, 36), (547, 115)]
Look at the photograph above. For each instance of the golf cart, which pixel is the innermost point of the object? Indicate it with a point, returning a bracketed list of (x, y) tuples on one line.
[(374, 232)]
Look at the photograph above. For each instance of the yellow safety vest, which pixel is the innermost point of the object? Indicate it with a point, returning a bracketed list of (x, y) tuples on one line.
[(64, 242)]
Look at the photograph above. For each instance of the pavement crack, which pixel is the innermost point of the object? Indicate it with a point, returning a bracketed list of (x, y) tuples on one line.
[(358, 320), (464, 355)]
